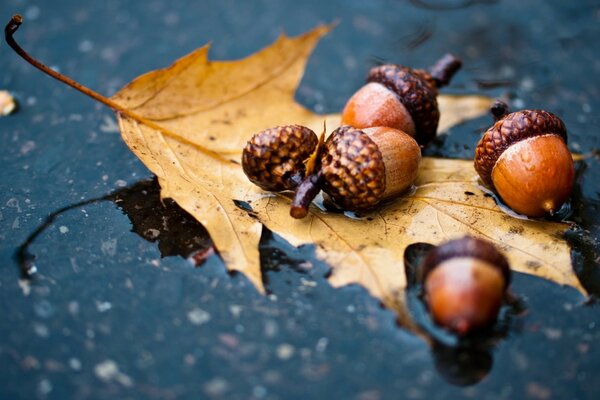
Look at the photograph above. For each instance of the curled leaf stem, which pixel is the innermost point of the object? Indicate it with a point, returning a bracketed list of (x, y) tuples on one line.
[(12, 27)]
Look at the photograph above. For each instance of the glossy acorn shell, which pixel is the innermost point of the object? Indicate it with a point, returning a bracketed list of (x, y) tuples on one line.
[(274, 158), (525, 159), (535, 176), (464, 283), (376, 105), (361, 168)]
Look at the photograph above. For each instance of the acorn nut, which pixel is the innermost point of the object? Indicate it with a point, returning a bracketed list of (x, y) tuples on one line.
[(360, 168), (402, 98), (273, 159), (525, 159), (464, 284)]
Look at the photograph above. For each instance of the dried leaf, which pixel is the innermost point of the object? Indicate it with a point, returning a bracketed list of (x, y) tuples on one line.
[(219, 105), (311, 163)]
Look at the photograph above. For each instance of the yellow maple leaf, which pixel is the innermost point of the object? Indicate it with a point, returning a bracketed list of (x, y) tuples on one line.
[(219, 105), (189, 122)]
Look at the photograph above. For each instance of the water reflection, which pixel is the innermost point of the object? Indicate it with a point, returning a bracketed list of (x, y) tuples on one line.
[(160, 221), (461, 361)]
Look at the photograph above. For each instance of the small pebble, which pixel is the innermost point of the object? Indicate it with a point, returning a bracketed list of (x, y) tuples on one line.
[(538, 391), (44, 387), (216, 387), (235, 310), (109, 370), (198, 316), (103, 306), (322, 344), (75, 364), (41, 330), (285, 351), (7, 103)]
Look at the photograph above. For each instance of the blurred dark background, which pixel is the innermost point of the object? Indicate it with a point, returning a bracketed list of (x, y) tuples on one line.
[(107, 316)]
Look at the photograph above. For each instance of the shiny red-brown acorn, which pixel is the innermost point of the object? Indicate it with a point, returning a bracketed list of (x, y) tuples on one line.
[(524, 157), (360, 168), (402, 98), (273, 159), (464, 283)]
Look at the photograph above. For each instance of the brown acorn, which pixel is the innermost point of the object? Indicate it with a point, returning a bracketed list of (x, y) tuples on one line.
[(360, 168), (273, 159), (464, 284), (402, 98), (524, 157)]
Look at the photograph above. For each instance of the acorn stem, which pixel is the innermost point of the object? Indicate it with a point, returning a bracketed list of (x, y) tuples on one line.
[(444, 69), (305, 193), (499, 110), (14, 24), (296, 180)]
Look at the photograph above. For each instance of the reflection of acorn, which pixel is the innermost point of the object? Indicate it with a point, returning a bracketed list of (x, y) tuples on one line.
[(401, 98), (362, 167), (464, 284), (274, 158), (462, 366), (524, 157)]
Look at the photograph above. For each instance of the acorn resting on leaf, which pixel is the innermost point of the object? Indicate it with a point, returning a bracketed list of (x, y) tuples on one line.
[(525, 159), (464, 283), (402, 98), (356, 168), (362, 167), (273, 159)]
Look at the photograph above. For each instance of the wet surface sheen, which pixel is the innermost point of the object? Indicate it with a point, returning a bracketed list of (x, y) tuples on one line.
[(131, 302)]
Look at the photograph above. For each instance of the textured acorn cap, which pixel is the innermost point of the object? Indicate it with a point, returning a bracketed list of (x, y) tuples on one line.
[(353, 169), (509, 130), (274, 158), (361, 168), (465, 247), (417, 91)]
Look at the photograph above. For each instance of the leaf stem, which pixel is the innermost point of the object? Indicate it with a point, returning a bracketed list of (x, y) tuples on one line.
[(14, 24)]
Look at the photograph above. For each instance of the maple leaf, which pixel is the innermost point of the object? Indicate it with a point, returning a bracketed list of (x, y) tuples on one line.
[(189, 122), (218, 106)]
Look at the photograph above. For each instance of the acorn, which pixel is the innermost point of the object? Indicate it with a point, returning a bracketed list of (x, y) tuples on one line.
[(464, 283), (360, 168), (524, 157), (273, 159), (402, 98)]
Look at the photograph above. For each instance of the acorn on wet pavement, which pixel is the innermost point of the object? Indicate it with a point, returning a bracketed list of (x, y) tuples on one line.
[(524, 157), (402, 98), (464, 283)]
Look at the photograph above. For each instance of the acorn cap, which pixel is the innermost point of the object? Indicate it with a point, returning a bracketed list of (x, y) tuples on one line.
[(273, 159), (465, 247), (509, 130), (353, 169), (417, 91)]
